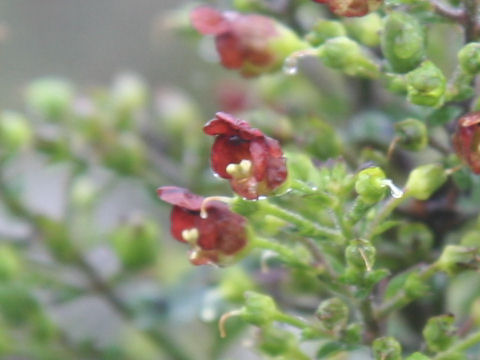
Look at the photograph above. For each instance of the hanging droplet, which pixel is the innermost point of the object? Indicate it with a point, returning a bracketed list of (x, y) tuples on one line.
[(290, 66), (395, 191)]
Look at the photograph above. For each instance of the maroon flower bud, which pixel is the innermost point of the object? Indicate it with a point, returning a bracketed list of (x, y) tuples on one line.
[(467, 140), (351, 8), (253, 44), (254, 163), (215, 233)]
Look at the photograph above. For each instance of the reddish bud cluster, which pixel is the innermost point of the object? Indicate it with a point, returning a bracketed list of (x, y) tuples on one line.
[(351, 8), (238, 143), (215, 238), (467, 140), (241, 40)]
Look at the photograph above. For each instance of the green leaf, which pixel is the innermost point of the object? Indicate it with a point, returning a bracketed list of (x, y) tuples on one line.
[(329, 349)]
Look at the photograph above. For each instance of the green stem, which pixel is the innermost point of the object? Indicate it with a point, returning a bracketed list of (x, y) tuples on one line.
[(402, 298), (285, 252), (371, 325), (292, 320), (305, 226), (461, 346), (384, 212)]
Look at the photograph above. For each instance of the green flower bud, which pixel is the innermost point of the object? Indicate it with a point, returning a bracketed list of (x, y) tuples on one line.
[(259, 309), (333, 313), (324, 30), (456, 259), (10, 265), (177, 113), (84, 192), (127, 155), (365, 29), (370, 185), (424, 180), (412, 134), (347, 56), (234, 283), (57, 239), (417, 356), (277, 342), (415, 286), (395, 83), (136, 242), (15, 131), (469, 58), (416, 237), (50, 98), (17, 303), (460, 86), (426, 85), (129, 94), (403, 43), (360, 255), (439, 332), (387, 348), (322, 140), (353, 333)]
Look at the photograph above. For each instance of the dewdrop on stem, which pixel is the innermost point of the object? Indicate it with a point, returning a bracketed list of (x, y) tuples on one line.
[(395, 191), (290, 65)]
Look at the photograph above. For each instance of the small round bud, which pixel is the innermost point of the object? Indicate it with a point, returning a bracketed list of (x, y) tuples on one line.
[(370, 185), (259, 309), (347, 56), (15, 131), (387, 348), (10, 265), (50, 98), (412, 134), (234, 283), (129, 95), (127, 155), (333, 313), (276, 342), (365, 29), (456, 258), (324, 30), (360, 255), (439, 332), (395, 83), (469, 58), (353, 333), (416, 237), (244, 207), (136, 242), (426, 85), (84, 192), (424, 180), (415, 287), (403, 43)]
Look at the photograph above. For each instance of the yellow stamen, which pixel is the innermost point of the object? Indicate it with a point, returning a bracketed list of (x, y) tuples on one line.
[(190, 235)]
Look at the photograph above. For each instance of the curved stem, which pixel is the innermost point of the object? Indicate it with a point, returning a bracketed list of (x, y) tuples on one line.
[(460, 346), (305, 226)]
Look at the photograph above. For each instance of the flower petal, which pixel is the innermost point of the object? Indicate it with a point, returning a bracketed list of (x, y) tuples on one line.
[(180, 197), (209, 21)]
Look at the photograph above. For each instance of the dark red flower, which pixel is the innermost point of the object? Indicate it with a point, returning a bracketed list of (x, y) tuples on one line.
[(215, 238), (246, 42), (254, 163), (351, 8), (467, 140)]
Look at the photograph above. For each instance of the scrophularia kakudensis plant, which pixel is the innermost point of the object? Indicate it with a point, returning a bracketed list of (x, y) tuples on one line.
[(356, 228), (325, 183)]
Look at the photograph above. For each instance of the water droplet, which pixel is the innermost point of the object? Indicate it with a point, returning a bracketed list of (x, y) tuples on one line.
[(395, 191), (290, 66)]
